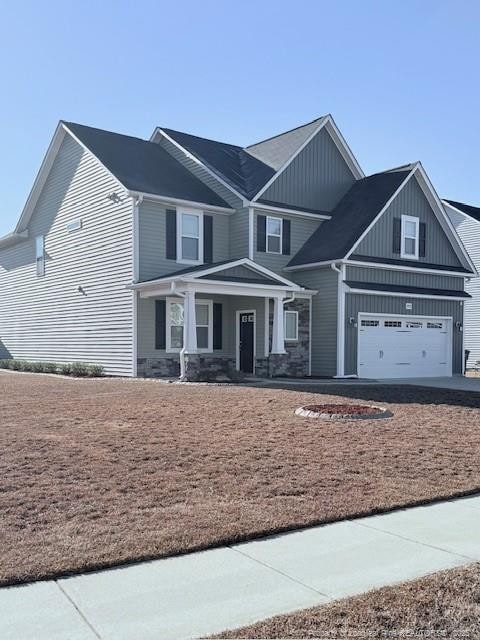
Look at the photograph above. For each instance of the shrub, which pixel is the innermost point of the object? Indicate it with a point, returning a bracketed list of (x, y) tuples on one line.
[(79, 369), (36, 367), (5, 364), (16, 365), (65, 368), (50, 367), (95, 370)]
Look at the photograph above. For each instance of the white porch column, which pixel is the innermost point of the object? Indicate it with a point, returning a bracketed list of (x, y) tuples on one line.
[(189, 324), (278, 336)]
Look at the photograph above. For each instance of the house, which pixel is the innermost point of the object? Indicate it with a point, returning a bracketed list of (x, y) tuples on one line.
[(180, 255), (466, 220)]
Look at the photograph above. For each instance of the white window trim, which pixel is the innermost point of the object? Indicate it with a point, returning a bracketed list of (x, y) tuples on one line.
[(168, 325), (285, 326), (40, 259), (190, 212), (416, 222), (277, 253)]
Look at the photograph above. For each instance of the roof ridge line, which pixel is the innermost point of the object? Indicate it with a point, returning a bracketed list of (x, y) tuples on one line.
[(68, 123), (193, 135)]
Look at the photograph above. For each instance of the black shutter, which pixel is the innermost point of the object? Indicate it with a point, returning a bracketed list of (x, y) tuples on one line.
[(207, 239), (171, 234), (261, 233), (422, 239), (286, 237), (397, 235), (217, 325), (160, 324)]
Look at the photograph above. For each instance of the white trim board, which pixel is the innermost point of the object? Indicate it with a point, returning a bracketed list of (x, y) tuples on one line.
[(396, 294)]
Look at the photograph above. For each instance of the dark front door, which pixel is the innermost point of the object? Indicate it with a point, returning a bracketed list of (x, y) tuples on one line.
[(247, 323)]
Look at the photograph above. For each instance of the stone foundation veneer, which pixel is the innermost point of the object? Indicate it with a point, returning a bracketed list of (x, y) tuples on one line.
[(199, 366)]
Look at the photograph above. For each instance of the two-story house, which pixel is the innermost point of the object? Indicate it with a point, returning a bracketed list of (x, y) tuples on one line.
[(181, 254)]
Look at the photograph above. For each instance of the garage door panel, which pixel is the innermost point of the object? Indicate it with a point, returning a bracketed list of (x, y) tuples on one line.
[(403, 346)]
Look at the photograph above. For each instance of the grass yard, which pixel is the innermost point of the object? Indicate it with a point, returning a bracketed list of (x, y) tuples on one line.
[(99, 472), (442, 605)]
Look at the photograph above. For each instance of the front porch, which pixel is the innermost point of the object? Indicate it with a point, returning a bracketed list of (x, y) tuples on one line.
[(223, 319)]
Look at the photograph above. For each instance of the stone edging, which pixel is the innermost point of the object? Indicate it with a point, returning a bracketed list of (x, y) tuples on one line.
[(381, 413)]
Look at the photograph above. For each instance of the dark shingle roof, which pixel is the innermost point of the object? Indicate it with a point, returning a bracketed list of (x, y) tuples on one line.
[(292, 207), (400, 288), (473, 212), (144, 166), (214, 276), (350, 218), (233, 164), (408, 263)]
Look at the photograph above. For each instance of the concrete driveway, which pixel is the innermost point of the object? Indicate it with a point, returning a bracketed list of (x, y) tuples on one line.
[(456, 383)]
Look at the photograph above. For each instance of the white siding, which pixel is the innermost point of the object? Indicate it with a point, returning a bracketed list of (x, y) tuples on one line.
[(47, 318), (469, 231)]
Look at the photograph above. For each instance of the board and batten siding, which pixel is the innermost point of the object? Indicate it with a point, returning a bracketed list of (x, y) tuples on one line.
[(469, 231), (200, 172), (366, 303), (239, 226), (317, 178), (152, 240), (324, 318), (404, 278), (300, 230), (410, 201), (47, 318)]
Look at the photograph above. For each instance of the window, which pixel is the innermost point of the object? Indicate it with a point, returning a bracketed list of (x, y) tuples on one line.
[(274, 235), (392, 323), (410, 237), (175, 324), (414, 325), (290, 324), (40, 255), (370, 323), (434, 325), (190, 236)]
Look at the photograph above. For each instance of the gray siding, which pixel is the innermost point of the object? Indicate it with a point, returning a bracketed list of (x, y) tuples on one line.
[(469, 231), (300, 230), (410, 201), (239, 234), (359, 303), (47, 318), (152, 240), (406, 278), (201, 173), (324, 319), (318, 177), (146, 325)]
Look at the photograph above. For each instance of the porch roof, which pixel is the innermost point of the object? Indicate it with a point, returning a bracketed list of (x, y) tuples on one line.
[(231, 277)]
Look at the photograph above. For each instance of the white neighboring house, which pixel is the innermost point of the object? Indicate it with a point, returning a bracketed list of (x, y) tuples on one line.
[(466, 220)]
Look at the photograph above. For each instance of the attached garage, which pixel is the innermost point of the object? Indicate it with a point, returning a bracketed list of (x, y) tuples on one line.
[(404, 346)]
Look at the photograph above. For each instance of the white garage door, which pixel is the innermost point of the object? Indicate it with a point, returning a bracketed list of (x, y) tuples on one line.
[(404, 347)]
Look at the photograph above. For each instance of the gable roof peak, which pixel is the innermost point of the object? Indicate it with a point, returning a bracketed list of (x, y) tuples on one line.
[(283, 133)]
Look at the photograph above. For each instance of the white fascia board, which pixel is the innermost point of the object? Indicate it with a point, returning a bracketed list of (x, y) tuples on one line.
[(396, 294), (380, 214), (180, 202), (321, 124), (191, 156), (398, 267), (13, 238), (41, 178), (291, 212), (344, 149), (442, 216), (463, 213)]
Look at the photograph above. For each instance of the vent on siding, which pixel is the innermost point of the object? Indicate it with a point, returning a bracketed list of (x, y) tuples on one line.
[(74, 225)]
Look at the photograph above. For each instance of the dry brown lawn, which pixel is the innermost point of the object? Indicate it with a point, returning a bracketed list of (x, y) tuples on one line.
[(99, 472), (443, 605)]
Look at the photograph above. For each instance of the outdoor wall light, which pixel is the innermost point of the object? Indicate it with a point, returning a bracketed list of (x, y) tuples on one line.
[(459, 325)]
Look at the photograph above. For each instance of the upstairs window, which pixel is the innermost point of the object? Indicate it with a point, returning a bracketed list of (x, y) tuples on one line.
[(190, 237), (410, 237), (274, 235), (40, 255)]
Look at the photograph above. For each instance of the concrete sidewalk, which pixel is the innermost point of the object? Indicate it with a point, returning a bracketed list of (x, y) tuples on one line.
[(204, 593)]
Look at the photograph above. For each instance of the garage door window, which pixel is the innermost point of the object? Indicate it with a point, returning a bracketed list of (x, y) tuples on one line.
[(370, 323), (434, 325), (414, 325), (392, 323)]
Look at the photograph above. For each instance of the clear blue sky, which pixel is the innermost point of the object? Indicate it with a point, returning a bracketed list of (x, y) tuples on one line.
[(400, 78)]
